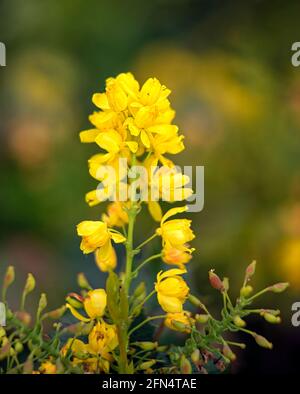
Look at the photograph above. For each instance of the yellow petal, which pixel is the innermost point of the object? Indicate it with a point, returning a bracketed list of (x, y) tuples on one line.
[(145, 139), (109, 140), (117, 237), (173, 272), (172, 212), (155, 210), (133, 146), (77, 314), (100, 100), (88, 136)]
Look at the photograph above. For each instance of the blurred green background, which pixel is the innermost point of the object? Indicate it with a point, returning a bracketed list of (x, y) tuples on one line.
[(237, 98)]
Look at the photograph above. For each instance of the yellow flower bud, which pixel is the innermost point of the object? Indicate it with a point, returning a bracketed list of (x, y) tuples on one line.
[(30, 284), (279, 287), (147, 364), (270, 318), (147, 345), (246, 291), (95, 303), (185, 365), (263, 342), (202, 318), (83, 282), (239, 322)]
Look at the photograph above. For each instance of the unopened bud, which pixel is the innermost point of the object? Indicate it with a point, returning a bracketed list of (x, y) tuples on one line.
[(270, 318), (73, 302), (215, 281), (56, 313), (42, 304), (226, 284), (250, 270), (228, 353), (185, 365), (239, 322), (24, 317), (83, 282), (19, 347), (162, 348), (30, 284), (147, 364), (9, 277), (179, 325), (279, 287), (262, 341), (147, 345), (4, 350), (202, 318), (2, 332), (196, 356), (246, 291), (195, 301)]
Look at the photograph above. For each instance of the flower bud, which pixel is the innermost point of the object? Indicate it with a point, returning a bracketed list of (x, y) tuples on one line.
[(75, 303), (185, 365), (228, 353), (83, 282), (246, 291), (250, 270), (226, 284), (147, 364), (24, 317), (262, 341), (42, 304), (239, 322), (4, 350), (56, 313), (194, 300), (2, 332), (196, 356), (162, 348), (279, 287), (9, 277), (19, 347), (270, 318), (30, 284), (179, 325), (147, 345), (202, 318), (215, 281)]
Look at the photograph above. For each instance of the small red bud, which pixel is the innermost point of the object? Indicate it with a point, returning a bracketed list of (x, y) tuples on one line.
[(215, 281), (250, 270)]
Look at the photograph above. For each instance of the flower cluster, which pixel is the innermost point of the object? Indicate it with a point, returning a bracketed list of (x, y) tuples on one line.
[(133, 126)]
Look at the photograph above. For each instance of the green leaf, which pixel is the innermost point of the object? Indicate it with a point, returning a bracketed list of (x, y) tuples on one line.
[(113, 296)]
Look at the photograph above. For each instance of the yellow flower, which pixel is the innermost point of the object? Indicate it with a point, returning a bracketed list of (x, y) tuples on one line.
[(106, 258), (116, 215), (48, 368), (172, 290), (94, 305), (177, 256), (83, 355), (183, 317), (103, 339), (177, 231), (170, 184), (95, 234)]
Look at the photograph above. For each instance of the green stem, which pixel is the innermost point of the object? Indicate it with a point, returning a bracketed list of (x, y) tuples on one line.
[(146, 241), (156, 256), (129, 248), (145, 322), (258, 294)]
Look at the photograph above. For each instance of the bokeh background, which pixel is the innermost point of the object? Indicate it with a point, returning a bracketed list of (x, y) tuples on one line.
[(237, 98)]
